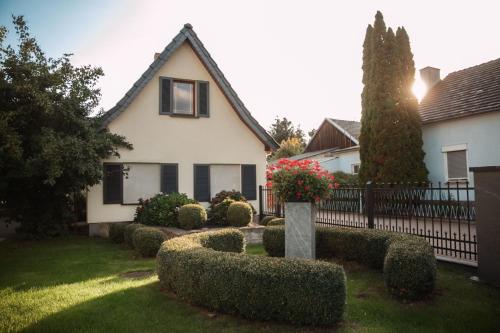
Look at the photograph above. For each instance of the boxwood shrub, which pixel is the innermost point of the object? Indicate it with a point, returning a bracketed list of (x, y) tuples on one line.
[(408, 261), (276, 221), (192, 216), (129, 230), (116, 231), (147, 241), (161, 209), (217, 211), (209, 269), (239, 214), (265, 220)]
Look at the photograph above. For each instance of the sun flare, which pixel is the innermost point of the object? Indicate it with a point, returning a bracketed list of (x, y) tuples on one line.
[(419, 89)]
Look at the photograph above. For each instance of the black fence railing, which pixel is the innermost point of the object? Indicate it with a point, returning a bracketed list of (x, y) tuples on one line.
[(443, 214)]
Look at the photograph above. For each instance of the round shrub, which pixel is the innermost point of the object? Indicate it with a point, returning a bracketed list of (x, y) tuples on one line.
[(410, 268), (265, 220), (162, 209), (116, 231), (408, 261), (217, 211), (276, 221), (147, 241), (239, 214), (129, 230), (192, 216), (297, 291)]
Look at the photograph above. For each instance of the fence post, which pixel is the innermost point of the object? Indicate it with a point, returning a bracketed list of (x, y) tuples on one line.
[(261, 205), (370, 204)]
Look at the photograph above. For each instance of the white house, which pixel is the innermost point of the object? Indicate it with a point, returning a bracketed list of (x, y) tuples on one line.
[(190, 134), (461, 121)]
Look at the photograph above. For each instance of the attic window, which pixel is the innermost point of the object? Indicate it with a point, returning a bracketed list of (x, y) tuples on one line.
[(183, 98)]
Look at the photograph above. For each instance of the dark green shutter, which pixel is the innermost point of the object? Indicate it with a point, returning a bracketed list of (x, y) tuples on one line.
[(249, 181), (169, 178), (165, 95), (203, 102), (202, 183), (112, 184)]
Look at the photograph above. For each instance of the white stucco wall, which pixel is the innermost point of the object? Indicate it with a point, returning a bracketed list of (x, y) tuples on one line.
[(480, 133), (220, 139), (341, 161)]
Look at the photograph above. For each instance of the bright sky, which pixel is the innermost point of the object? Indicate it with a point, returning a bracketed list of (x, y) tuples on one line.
[(299, 59)]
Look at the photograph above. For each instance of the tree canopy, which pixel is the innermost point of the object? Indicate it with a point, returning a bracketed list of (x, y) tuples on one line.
[(283, 131), (391, 135), (50, 146)]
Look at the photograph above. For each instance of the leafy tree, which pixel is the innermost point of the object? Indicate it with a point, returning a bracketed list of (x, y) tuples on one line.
[(50, 147), (311, 133), (391, 138), (283, 129), (288, 148)]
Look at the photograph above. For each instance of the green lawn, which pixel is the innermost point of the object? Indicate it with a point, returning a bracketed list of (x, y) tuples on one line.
[(75, 285)]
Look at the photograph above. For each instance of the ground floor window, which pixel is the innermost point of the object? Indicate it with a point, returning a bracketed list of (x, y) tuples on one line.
[(455, 162)]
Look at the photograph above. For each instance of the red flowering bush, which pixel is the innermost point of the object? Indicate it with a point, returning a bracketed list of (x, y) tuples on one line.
[(300, 181)]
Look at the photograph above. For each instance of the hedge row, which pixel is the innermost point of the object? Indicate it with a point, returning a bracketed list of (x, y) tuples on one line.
[(264, 288), (145, 240), (408, 262)]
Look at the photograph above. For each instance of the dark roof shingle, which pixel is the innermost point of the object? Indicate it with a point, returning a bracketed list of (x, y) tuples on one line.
[(350, 126), (467, 92)]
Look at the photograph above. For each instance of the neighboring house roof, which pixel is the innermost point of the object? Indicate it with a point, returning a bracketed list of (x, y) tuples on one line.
[(467, 92), (353, 128), (187, 34)]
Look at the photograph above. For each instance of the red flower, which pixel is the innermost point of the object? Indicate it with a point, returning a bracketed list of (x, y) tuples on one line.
[(269, 184)]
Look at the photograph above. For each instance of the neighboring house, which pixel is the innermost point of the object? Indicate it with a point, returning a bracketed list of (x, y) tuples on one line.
[(335, 146), (461, 121), (191, 134)]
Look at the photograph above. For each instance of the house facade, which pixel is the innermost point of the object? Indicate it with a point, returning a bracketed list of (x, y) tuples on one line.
[(190, 134)]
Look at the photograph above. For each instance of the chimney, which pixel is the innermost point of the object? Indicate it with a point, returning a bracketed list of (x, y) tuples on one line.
[(430, 76), (156, 56)]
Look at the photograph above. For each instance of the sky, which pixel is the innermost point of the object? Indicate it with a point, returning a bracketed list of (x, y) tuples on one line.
[(294, 59)]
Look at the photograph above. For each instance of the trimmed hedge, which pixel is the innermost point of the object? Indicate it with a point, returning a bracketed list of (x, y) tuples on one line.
[(265, 220), (129, 230), (116, 232), (408, 261), (147, 241), (239, 214), (264, 288), (192, 216), (276, 221)]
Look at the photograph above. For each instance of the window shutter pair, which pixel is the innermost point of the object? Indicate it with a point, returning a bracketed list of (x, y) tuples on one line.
[(112, 183), (202, 183), (249, 181), (169, 178), (166, 97)]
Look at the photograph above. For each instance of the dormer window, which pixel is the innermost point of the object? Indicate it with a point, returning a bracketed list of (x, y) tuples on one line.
[(184, 97)]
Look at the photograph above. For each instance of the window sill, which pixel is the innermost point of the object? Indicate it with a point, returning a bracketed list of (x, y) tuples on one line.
[(456, 181), (182, 115)]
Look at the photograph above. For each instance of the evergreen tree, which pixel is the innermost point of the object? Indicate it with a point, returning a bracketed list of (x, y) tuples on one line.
[(391, 138)]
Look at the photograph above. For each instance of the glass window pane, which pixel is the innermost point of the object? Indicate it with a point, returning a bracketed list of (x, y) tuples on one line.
[(457, 164), (183, 98)]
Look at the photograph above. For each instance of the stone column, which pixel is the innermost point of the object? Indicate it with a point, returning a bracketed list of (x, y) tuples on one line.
[(300, 230), (487, 201)]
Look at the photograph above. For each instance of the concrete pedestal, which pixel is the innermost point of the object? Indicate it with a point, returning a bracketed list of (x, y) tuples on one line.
[(300, 230), (487, 192)]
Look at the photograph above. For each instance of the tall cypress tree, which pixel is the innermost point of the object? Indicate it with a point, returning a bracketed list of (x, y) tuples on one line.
[(390, 140)]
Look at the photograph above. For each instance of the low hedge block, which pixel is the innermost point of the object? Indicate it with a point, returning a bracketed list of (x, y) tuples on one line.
[(408, 261), (276, 221), (265, 220), (128, 232), (116, 231), (239, 214), (147, 241), (264, 288), (192, 216)]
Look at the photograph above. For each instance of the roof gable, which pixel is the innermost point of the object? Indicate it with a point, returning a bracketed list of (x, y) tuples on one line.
[(188, 35), (347, 130), (467, 92)]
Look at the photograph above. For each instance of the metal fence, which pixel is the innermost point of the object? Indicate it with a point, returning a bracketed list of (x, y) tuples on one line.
[(443, 214)]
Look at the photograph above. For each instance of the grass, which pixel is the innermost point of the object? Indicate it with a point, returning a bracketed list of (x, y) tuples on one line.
[(75, 285)]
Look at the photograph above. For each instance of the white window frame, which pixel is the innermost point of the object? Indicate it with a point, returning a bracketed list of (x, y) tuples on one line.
[(451, 148), (193, 97), (353, 166)]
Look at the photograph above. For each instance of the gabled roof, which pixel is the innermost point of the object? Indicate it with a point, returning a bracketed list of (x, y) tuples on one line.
[(188, 35), (467, 92), (351, 127)]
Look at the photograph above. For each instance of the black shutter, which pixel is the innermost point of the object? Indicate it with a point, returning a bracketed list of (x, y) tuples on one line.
[(249, 181), (112, 184), (169, 178), (165, 95), (203, 110), (202, 183)]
